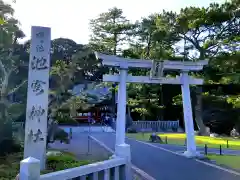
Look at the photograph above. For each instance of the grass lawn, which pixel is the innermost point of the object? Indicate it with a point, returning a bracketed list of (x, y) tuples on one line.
[(227, 160), (180, 139)]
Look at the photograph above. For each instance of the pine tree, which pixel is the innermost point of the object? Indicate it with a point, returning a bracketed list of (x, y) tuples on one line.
[(109, 31)]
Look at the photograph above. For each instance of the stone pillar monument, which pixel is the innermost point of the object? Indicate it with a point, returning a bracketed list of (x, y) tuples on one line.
[(37, 95)]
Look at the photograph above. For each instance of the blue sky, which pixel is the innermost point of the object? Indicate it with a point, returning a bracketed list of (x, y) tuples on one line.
[(70, 19)]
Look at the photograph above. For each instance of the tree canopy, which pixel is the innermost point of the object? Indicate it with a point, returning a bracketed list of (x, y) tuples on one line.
[(192, 34)]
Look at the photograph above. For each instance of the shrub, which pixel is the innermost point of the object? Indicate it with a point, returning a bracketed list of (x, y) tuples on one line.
[(155, 138), (63, 161), (65, 119), (9, 166), (9, 146), (7, 173), (131, 130), (61, 135)]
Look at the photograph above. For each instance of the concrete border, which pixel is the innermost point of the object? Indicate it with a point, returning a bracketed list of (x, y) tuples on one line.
[(137, 171)]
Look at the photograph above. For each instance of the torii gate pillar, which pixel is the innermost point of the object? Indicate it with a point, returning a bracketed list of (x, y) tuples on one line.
[(188, 117), (122, 149)]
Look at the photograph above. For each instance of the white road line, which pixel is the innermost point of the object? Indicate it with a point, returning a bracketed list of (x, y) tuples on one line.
[(218, 167), (154, 146), (102, 144), (139, 171), (200, 161), (142, 173)]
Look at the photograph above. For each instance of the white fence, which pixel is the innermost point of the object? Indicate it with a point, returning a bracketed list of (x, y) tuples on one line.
[(157, 126), (114, 169)]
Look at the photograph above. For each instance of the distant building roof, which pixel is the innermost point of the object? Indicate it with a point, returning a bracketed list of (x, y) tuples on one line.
[(102, 93)]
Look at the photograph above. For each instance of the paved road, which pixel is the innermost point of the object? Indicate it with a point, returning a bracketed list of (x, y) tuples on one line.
[(179, 148), (83, 147), (163, 165)]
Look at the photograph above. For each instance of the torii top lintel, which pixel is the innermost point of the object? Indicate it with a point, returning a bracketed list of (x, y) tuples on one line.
[(115, 61)]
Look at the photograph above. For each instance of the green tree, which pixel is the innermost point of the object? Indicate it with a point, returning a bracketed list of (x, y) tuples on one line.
[(65, 74), (191, 35), (211, 33), (155, 37), (9, 67), (80, 67), (110, 31)]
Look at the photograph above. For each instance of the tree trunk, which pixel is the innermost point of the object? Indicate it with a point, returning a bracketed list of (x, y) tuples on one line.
[(143, 116), (6, 133), (198, 112), (160, 103), (113, 100), (148, 45), (115, 44), (129, 120), (52, 127)]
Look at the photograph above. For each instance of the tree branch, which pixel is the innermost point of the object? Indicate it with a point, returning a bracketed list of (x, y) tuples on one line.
[(3, 68), (18, 87)]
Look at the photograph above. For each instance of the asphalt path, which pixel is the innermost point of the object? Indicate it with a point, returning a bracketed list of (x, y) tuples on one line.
[(163, 165)]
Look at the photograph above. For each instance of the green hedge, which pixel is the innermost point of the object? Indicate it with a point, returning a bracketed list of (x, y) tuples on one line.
[(10, 164), (63, 161), (61, 135)]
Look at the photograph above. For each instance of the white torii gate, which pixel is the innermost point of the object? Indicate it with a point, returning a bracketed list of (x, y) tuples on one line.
[(157, 67)]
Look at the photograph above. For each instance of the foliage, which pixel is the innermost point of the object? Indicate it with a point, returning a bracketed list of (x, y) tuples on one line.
[(10, 67), (61, 135), (131, 130), (192, 34), (77, 66), (81, 68), (63, 161), (9, 146), (234, 100), (13, 63), (64, 118), (9, 165), (110, 30)]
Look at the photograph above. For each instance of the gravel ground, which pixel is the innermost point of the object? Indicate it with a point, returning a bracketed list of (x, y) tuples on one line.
[(83, 147)]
